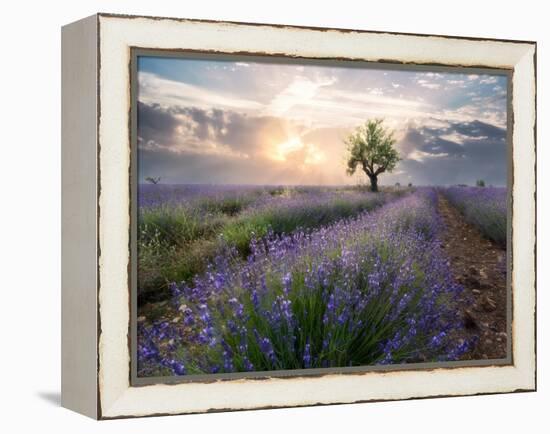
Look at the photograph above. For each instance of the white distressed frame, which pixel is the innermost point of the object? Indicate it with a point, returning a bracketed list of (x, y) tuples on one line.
[(116, 397)]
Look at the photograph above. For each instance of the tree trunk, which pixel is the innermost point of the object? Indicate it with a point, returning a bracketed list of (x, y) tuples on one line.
[(373, 183)]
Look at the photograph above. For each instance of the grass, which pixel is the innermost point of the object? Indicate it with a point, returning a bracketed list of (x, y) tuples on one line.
[(286, 219)]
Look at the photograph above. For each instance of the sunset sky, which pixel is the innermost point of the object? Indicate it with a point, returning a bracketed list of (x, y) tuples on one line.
[(245, 122)]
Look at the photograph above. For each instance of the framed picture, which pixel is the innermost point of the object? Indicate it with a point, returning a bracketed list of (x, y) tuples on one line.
[(263, 216)]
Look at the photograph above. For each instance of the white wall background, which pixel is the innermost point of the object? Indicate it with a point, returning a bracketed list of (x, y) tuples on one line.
[(30, 216)]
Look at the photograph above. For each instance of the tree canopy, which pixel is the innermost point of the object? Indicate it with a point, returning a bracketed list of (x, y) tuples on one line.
[(371, 147)]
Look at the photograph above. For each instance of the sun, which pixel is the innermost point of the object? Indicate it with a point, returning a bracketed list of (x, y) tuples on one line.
[(282, 150), (311, 154)]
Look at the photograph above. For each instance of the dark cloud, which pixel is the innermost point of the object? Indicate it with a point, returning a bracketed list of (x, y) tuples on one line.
[(478, 152), (428, 140), (155, 124), (480, 129), (187, 128)]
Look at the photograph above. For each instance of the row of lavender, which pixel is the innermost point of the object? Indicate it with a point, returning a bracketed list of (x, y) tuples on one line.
[(372, 289), (483, 207), (182, 228)]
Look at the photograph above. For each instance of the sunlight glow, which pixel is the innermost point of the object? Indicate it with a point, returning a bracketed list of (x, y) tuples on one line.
[(294, 149), (283, 149)]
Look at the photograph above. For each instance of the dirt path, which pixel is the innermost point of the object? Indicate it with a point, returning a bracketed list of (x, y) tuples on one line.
[(478, 265)]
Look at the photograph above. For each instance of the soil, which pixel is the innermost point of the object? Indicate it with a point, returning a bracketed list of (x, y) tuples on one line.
[(479, 265)]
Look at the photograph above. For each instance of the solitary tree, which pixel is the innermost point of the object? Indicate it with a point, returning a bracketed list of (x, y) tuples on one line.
[(371, 146), (153, 180)]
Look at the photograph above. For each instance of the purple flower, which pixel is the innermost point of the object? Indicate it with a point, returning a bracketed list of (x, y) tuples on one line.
[(178, 368), (287, 282), (248, 366), (307, 356), (265, 347)]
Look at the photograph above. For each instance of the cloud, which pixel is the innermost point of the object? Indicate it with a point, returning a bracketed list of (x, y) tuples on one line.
[(429, 80), (155, 124), (222, 132), (154, 89), (316, 99), (459, 152), (428, 85), (185, 145), (421, 156), (300, 92), (476, 129), (488, 80), (490, 110), (329, 106)]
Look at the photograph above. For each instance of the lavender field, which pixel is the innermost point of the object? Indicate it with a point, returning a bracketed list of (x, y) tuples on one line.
[(246, 278), (485, 208), (182, 228)]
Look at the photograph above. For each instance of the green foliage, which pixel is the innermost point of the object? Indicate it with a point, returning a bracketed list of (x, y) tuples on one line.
[(371, 147), (480, 183), (176, 225), (229, 205), (176, 242), (282, 220), (172, 244)]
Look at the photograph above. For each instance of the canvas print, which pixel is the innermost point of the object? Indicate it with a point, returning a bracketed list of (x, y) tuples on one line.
[(295, 215)]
